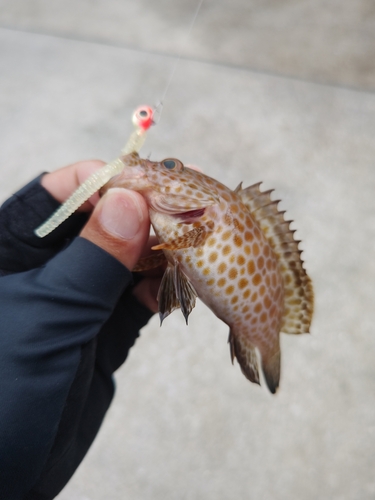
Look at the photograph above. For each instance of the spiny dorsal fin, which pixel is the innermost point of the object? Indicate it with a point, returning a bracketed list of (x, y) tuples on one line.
[(299, 296)]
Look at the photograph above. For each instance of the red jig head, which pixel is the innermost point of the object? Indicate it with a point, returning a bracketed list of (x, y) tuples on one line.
[(142, 117)]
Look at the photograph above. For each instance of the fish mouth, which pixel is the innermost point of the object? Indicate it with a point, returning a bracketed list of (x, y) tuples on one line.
[(191, 215)]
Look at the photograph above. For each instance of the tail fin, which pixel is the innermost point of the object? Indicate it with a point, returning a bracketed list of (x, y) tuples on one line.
[(271, 368)]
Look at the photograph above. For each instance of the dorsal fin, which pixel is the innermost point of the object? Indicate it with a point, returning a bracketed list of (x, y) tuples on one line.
[(299, 295)]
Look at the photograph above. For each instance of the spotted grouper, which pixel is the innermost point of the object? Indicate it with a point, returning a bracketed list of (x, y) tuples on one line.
[(232, 249)]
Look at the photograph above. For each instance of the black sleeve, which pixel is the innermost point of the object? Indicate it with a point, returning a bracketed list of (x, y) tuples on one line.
[(61, 310)]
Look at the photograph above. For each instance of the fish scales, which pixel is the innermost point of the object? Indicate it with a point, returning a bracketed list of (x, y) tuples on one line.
[(232, 249)]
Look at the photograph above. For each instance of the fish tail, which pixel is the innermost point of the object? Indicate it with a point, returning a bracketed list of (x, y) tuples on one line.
[(271, 366), (245, 352)]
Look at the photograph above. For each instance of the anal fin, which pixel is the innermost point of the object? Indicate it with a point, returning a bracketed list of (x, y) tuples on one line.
[(185, 292), (175, 292), (167, 298), (246, 356)]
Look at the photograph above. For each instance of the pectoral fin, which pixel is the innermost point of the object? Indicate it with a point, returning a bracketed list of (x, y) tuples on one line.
[(193, 238)]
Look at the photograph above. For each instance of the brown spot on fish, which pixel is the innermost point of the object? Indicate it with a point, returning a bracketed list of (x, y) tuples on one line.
[(237, 224), (199, 263), (212, 257), (258, 308), (222, 268), (251, 267), (242, 283), (206, 271), (237, 240), (241, 260), (229, 290), (221, 282), (257, 279), (263, 317), (226, 235), (226, 250), (256, 249), (232, 273)]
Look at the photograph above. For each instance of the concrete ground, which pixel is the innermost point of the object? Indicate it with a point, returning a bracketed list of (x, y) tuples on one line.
[(279, 91)]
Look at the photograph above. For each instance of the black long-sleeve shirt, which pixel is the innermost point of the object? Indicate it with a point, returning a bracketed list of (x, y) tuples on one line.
[(67, 322)]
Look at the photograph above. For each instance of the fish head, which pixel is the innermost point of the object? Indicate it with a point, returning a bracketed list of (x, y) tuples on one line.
[(169, 187)]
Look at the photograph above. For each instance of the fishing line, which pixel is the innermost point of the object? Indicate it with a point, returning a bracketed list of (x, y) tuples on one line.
[(159, 106)]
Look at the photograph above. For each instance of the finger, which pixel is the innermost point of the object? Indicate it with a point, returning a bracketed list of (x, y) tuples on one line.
[(119, 225), (63, 182)]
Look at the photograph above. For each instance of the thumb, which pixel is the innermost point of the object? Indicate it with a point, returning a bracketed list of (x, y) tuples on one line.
[(119, 225)]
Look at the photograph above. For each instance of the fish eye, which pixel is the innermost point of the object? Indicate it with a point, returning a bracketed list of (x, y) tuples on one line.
[(169, 164), (172, 164)]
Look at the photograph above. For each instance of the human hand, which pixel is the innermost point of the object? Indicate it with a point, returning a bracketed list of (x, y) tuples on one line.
[(119, 223), (70, 315)]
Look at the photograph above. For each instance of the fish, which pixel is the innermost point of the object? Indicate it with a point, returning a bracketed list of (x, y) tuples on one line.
[(231, 248)]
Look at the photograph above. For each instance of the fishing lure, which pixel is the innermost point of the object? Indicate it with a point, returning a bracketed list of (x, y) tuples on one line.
[(142, 120)]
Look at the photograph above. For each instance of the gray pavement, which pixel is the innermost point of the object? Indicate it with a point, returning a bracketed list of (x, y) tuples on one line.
[(274, 91)]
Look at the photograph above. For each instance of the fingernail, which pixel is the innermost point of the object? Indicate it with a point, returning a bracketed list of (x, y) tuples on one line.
[(121, 214)]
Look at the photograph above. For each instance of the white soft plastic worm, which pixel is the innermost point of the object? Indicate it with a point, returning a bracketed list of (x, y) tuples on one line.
[(142, 120)]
